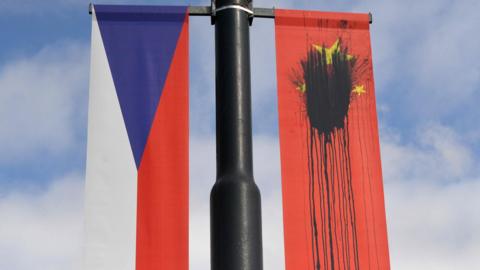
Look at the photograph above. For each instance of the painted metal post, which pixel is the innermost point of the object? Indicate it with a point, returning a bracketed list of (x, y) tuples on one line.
[(236, 232)]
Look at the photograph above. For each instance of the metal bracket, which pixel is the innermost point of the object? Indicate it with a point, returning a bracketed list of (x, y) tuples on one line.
[(250, 10), (268, 13), (199, 11), (213, 10)]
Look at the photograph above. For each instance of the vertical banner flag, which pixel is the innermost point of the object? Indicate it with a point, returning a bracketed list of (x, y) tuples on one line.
[(137, 153), (334, 213)]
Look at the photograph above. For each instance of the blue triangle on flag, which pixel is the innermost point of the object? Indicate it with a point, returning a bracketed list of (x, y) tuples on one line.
[(140, 42)]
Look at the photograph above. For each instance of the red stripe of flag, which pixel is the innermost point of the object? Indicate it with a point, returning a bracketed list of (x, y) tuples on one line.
[(162, 215)]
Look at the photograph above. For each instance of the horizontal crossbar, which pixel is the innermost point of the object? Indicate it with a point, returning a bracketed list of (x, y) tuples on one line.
[(207, 11), (268, 13)]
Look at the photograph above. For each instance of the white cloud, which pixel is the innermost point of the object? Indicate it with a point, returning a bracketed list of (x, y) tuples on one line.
[(430, 188), (202, 178), (425, 51), (39, 101), (435, 153), (43, 229), (432, 224), (450, 148)]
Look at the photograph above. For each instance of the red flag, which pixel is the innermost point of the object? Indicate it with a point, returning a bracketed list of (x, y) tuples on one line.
[(334, 213)]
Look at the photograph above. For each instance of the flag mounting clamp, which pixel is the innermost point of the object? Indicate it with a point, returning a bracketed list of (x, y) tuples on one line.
[(234, 7), (246, 7)]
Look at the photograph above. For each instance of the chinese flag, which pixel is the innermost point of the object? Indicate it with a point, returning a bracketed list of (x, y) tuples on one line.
[(333, 202)]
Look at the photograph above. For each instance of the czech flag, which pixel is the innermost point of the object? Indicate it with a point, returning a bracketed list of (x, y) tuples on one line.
[(137, 156)]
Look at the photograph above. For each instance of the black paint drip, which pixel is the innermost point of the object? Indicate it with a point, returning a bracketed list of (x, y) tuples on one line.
[(328, 88), (327, 85)]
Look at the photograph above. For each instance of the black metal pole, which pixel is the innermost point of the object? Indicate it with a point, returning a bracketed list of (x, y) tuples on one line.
[(236, 232)]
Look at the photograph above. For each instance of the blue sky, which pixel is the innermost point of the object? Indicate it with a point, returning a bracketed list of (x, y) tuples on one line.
[(427, 77)]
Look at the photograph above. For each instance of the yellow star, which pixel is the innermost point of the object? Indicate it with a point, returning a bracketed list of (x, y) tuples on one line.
[(330, 51), (359, 90), (302, 88)]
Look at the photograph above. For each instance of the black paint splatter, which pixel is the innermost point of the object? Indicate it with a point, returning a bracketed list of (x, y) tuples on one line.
[(327, 85)]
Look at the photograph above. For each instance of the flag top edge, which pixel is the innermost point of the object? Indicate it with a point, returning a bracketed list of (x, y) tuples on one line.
[(323, 19), (139, 9)]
